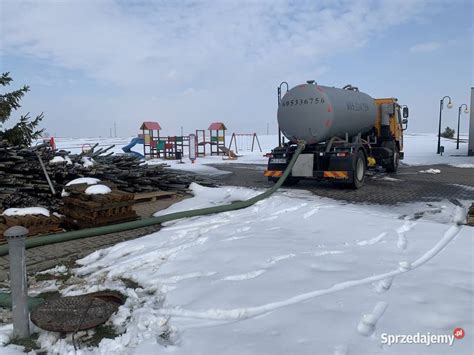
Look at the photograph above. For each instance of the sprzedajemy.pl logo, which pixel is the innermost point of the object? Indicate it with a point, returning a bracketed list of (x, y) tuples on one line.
[(422, 338)]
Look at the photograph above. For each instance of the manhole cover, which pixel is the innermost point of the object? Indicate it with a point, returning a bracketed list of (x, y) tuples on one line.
[(70, 314)]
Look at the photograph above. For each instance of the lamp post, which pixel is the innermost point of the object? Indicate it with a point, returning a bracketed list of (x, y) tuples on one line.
[(449, 105), (466, 110)]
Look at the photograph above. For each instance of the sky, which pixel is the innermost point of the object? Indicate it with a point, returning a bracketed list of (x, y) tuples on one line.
[(93, 63)]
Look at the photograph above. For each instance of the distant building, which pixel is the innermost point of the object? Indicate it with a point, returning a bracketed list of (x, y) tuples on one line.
[(470, 149)]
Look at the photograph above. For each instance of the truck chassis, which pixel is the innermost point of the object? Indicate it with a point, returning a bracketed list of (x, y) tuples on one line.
[(337, 160)]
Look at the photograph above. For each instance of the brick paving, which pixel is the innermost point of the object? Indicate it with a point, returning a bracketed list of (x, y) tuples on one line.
[(410, 186), (45, 257)]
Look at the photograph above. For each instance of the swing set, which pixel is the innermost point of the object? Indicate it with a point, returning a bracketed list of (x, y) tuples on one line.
[(244, 139)]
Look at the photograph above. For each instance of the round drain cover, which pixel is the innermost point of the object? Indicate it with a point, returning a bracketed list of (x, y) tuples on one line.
[(70, 314)]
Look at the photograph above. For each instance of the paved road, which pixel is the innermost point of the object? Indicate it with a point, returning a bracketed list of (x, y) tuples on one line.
[(407, 185)]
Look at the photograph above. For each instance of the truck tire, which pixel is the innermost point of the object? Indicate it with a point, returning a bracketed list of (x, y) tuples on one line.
[(395, 158), (360, 167)]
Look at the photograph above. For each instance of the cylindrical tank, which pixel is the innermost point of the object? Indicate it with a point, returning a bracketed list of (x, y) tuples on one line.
[(316, 113)]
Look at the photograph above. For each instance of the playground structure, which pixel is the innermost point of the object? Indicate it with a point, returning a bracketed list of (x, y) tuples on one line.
[(174, 147), (133, 142), (215, 139), (151, 139), (154, 146), (247, 137)]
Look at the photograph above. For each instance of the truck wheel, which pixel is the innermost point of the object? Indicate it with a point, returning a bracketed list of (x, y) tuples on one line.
[(393, 166), (360, 167)]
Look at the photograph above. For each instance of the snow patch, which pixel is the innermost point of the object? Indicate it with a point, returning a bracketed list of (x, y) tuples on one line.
[(83, 180), (57, 160), (384, 285), (87, 162), (98, 190), (388, 178), (59, 269), (466, 165), (26, 211), (430, 171)]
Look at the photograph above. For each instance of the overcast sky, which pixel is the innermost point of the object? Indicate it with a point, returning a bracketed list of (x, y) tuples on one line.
[(91, 63)]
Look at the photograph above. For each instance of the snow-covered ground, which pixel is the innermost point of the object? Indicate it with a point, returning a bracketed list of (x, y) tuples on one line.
[(293, 274), (420, 149)]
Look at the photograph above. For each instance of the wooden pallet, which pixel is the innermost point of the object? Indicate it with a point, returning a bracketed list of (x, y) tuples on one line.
[(95, 204), (85, 211), (153, 196), (36, 224)]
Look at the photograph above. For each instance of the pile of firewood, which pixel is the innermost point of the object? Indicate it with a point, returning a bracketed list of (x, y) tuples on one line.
[(24, 183)]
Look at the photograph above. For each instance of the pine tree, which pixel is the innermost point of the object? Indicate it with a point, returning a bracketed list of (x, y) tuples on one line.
[(448, 133), (24, 132)]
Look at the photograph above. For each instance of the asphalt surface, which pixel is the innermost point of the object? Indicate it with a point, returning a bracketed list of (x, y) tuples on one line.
[(409, 184)]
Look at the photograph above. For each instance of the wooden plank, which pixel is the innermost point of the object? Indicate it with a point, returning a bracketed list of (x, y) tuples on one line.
[(153, 195), (85, 207)]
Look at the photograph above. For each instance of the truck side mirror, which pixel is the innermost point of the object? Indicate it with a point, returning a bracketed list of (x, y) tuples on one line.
[(405, 112)]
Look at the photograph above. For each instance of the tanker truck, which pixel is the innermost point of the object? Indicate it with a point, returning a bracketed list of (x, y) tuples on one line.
[(346, 132)]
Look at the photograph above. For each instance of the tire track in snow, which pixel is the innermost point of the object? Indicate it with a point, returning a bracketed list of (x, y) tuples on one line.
[(311, 212), (275, 259), (250, 312), (192, 275), (246, 276), (402, 242), (369, 321), (373, 240)]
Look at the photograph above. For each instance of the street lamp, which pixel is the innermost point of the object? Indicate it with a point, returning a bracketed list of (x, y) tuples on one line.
[(466, 110), (449, 105)]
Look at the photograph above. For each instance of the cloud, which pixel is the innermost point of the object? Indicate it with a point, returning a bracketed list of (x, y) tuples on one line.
[(138, 44), (220, 49), (425, 47)]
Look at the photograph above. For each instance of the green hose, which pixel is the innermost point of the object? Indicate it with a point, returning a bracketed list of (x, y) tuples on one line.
[(5, 298), (6, 301), (92, 232)]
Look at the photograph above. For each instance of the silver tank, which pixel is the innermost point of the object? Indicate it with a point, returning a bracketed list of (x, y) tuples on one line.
[(316, 113)]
